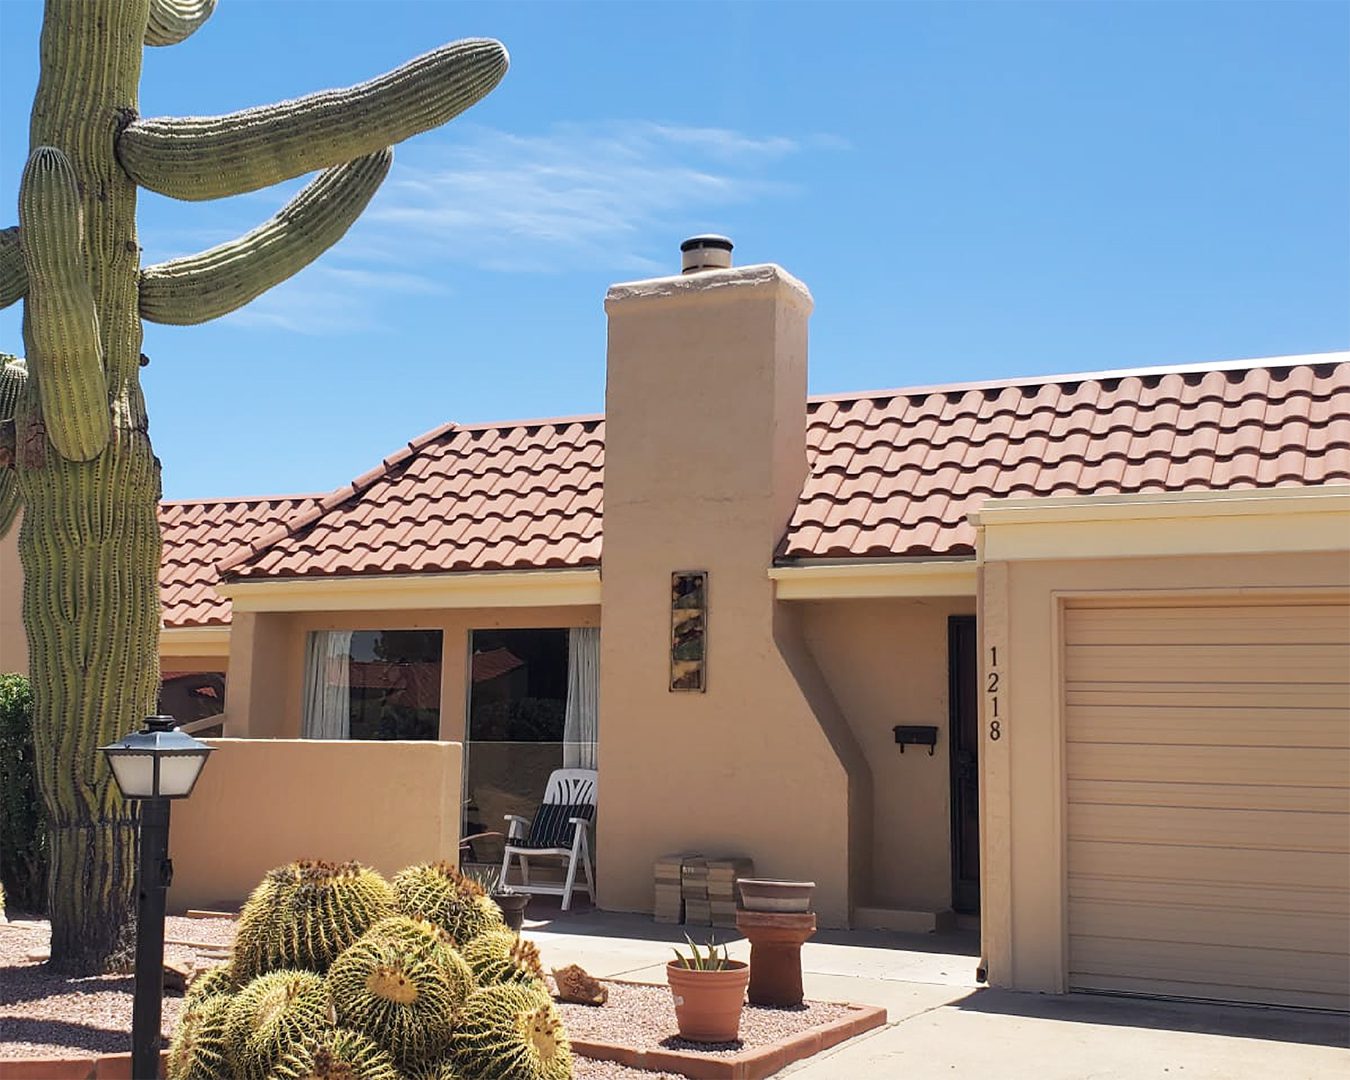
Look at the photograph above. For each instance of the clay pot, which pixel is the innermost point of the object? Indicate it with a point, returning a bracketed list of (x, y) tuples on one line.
[(708, 1003), (513, 908), (764, 894)]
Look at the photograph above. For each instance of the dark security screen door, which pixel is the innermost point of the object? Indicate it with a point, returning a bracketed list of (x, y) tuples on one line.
[(965, 739)]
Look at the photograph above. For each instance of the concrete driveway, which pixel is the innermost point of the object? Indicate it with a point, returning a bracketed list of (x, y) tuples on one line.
[(942, 1024)]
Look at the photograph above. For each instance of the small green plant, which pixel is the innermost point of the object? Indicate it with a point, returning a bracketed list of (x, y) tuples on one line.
[(697, 961)]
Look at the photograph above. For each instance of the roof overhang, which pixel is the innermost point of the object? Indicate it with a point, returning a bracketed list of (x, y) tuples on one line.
[(1260, 521), (404, 592), (858, 579), (194, 641)]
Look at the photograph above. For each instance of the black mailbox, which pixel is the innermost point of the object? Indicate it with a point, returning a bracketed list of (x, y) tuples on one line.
[(916, 736)]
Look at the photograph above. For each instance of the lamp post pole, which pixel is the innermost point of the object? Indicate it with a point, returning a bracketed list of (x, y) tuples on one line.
[(153, 766), (154, 876)]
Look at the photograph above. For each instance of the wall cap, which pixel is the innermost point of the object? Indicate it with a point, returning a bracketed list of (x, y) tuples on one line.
[(877, 578)]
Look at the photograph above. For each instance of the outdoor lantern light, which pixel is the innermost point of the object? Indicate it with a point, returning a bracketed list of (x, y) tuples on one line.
[(153, 766), (160, 762)]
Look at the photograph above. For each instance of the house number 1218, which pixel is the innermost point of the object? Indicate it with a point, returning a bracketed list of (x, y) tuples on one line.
[(992, 689)]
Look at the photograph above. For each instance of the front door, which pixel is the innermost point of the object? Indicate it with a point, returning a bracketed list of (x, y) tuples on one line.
[(964, 725)]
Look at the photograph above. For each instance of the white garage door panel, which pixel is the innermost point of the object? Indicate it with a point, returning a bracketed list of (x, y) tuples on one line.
[(1220, 866), (1312, 624), (1286, 766), (1208, 779), (1329, 934), (1333, 903), (1237, 726), (1218, 796), (1201, 827), (1169, 664), (1154, 695)]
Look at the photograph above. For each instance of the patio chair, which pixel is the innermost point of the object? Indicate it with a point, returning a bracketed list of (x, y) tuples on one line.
[(560, 829)]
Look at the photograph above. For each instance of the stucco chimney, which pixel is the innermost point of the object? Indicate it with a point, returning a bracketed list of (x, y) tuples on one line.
[(706, 252), (705, 457)]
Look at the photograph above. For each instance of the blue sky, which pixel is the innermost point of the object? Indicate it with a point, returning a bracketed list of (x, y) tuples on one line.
[(970, 190)]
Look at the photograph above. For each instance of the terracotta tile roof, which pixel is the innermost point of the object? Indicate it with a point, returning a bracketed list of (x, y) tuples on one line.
[(519, 496), (896, 473), (892, 473), (201, 533)]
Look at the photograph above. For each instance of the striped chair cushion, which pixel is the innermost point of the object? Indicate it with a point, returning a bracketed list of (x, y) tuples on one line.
[(551, 827)]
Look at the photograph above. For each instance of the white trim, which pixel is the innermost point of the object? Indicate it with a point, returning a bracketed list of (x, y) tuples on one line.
[(194, 641), (852, 580), (403, 592), (1258, 521)]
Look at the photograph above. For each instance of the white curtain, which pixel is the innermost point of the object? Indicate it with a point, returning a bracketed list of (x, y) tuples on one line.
[(582, 719), (328, 700)]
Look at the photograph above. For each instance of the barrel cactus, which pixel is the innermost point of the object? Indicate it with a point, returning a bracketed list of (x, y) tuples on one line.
[(336, 1054), (329, 908), (217, 980), (456, 903), (511, 1032), (272, 1016), (255, 939), (436, 1070), (200, 1046), (502, 956), (75, 451), (401, 984)]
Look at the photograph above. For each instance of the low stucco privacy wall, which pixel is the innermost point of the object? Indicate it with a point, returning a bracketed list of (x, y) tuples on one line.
[(264, 802)]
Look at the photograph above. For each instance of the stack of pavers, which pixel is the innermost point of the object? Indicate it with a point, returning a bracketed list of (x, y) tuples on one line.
[(721, 886), (669, 888), (694, 882)]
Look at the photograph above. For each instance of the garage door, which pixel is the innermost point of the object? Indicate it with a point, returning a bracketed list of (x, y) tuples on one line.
[(1208, 823)]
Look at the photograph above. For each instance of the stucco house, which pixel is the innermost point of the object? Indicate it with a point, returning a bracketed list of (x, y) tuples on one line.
[(1066, 657)]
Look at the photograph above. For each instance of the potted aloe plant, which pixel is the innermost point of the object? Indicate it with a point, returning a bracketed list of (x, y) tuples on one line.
[(709, 993)]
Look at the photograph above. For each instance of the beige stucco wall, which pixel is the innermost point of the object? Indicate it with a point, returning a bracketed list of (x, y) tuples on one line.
[(886, 663), (180, 665), (704, 460), (1022, 788), (13, 642), (267, 658), (262, 803)]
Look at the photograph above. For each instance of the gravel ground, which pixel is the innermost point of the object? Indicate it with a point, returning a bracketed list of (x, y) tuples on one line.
[(585, 1069), (644, 1017), (44, 1014)]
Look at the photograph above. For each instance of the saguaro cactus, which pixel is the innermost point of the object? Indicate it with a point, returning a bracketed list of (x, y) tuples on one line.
[(75, 452)]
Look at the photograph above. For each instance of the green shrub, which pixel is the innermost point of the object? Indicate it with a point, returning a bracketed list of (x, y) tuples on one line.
[(23, 830)]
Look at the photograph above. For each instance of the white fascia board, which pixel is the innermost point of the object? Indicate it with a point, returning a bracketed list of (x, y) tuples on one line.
[(863, 580), (403, 592)]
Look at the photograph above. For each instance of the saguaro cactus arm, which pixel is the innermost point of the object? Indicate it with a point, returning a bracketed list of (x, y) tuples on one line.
[(172, 21), (60, 320), (13, 276), (13, 379), (215, 282), (210, 157)]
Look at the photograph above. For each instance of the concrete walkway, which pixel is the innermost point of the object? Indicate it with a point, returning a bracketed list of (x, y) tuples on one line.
[(941, 1023)]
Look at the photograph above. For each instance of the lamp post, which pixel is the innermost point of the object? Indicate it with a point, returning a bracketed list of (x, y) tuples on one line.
[(153, 766)]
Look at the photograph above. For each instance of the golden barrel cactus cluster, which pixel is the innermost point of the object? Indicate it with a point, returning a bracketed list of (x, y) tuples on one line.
[(337, 973)]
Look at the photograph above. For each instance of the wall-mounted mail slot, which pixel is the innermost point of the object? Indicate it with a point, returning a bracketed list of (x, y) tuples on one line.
[(916, 736)]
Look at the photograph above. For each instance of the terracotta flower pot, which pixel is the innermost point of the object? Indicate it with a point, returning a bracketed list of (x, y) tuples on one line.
[(708, 1003)]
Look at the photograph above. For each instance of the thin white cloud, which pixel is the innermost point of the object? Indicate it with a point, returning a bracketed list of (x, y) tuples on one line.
[(610, 194)]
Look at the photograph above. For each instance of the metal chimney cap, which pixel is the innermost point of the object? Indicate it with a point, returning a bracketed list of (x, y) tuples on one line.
[(707, 240), (706, 252)]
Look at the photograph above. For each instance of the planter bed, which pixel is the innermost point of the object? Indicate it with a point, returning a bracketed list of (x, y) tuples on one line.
[(637, 1028)]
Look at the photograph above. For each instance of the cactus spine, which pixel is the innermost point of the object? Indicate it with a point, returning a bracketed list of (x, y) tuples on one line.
[(337, 1054), (501, 956), (74, 443)]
